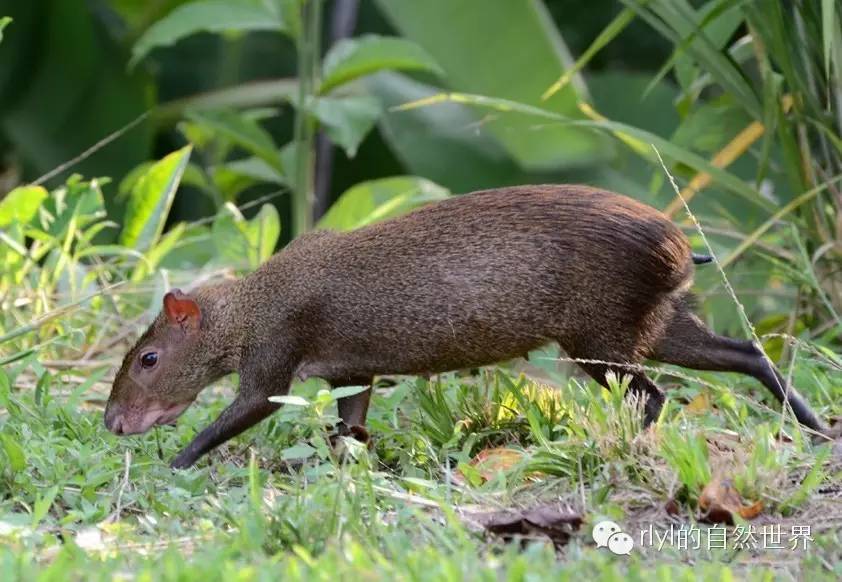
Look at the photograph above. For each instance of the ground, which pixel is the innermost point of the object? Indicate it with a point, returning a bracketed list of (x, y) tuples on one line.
[(452, 460)]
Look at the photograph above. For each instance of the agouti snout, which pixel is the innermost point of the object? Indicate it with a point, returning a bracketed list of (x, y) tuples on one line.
[(466, 282)]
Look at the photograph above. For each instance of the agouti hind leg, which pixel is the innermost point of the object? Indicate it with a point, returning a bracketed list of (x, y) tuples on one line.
[(640, 385), (689, 343)]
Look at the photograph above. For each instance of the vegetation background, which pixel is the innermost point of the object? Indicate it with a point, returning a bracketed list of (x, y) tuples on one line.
[(243, 123)]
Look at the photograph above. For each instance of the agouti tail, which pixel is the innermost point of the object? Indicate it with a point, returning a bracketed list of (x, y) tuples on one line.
[(466, 282)]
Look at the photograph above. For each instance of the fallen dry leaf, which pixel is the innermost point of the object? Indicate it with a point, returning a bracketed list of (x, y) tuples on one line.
[(548, 521), (699, 405), (672, 507), (719, 502), (489, 462)]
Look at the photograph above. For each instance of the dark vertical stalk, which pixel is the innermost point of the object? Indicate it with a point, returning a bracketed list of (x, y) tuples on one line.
[(342, 24)]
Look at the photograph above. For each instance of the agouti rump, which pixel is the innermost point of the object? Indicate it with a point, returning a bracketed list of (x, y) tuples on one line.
[(461, 283)]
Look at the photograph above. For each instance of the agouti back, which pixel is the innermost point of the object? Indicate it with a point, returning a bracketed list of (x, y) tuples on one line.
[(465, 282)]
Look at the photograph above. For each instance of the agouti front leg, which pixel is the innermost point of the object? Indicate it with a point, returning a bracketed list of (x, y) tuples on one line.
[(353, 409), (249, 407)]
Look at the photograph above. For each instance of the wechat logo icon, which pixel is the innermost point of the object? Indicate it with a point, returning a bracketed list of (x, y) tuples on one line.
[(608, 534)]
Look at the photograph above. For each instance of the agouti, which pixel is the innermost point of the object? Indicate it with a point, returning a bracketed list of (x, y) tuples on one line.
[(461, 283)]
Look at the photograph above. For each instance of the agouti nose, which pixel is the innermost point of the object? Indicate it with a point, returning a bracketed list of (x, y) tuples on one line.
[(113, 420)]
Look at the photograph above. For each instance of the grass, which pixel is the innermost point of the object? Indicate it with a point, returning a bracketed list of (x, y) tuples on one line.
[(79, 503)]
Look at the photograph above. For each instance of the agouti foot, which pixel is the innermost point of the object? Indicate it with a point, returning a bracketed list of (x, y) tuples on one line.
[(832, 434), (182, 462), (356, 432)]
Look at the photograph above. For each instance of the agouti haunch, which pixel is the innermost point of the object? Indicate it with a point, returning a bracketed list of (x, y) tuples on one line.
[(461, 283)]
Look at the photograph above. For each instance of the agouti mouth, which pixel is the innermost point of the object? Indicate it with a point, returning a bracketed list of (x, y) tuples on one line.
[(172, 413), (155, 415)]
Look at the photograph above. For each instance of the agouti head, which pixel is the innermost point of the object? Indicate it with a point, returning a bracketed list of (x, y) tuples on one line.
[(165, 370)]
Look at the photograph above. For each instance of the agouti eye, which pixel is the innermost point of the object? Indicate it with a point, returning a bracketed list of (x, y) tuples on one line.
[(149, 359)]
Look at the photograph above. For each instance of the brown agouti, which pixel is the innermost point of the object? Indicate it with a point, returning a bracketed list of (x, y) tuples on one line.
[(461, 283)]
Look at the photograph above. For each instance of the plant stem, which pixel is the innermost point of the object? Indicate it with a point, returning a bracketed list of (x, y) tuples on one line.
[(308, 59)]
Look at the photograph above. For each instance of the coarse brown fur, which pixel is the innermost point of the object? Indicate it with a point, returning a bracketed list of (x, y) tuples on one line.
[(466, 282)]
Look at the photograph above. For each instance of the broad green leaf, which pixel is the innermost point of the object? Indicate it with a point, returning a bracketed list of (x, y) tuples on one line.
[(193, 176), (17, 459), (441, 143), (298, 452), (347, 120), (710, 126), (510, 50), (290, 399), (265, 231), (235, 176), (641, 139), (21, 204), (228, 232), (353, 58), (375, 200), (156, 254), (151, 199), (243, 131), (4, 21), (194, 249), (208, 16), (291, 16), (345, 391), (242, 242)]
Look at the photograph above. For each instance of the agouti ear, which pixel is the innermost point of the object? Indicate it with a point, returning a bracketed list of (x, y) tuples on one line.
[(182, 310)]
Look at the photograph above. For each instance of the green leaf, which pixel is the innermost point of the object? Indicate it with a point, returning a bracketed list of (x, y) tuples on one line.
[(509, 50), (346, 391), (21, 204), (347, 120), (242, 242), (375, 200), (5, 390), (290, 400), (238, 175), (830, 33), (194, 249), (17, 458), (4, 21), (640, 140), (43, 504), (150, 201), (243, 131), (608, 34), (298, 452), (42, 389), (438, 142), (353, 58), (265, 231), (710, 126), (208, 16), (73, 206), (157, 253), (677, 20)]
